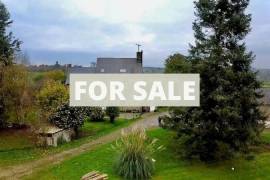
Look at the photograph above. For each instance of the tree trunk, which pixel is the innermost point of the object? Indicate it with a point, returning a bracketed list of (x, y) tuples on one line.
[(76, 130), (112, 119)]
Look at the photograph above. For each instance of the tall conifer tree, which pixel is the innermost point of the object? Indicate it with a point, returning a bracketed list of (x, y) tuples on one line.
[(8, 44), (8, 47), (229, 119)]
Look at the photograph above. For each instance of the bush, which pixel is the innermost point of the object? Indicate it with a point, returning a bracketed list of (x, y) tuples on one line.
[(52, 95), (68, 117), (96, 114), (135, 155)]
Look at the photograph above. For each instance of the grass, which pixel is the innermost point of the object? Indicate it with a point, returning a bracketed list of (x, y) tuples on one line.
[(17, 147), (167, 165), (266, 84), (162, 109)]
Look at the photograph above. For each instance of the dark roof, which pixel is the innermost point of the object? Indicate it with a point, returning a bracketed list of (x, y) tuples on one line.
[(82, 70), (79, 70), (153, 70), (266, 98), (114, 65)]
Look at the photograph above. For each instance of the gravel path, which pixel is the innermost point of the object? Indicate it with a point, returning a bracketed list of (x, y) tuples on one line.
[(16, 172)]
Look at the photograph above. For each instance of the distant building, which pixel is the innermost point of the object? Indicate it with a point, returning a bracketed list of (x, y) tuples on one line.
[(110, 65), (120, 65)]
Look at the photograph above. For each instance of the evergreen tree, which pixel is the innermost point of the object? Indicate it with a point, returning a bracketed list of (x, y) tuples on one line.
[(8, 45), (229, 119), (8, 48)]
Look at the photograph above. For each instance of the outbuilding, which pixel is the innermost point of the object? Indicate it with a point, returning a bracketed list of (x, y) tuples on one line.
[(53, 136)]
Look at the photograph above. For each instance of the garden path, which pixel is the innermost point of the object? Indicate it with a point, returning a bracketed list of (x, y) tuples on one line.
[(149, 120)]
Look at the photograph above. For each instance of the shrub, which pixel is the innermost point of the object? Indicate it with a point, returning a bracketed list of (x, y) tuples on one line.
[(52, 95), (96, 114), (135, 155), (87, 111), (68, 117), (112, 112)]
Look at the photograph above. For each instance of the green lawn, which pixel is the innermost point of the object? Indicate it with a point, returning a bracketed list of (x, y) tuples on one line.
[(17, 147), (167, 165)]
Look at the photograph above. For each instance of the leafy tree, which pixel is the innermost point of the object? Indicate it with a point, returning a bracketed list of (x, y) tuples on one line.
[(177, 63), (52, 95), (8, 45), (68, 117), (18, 96), (229, 119), (112, 112)]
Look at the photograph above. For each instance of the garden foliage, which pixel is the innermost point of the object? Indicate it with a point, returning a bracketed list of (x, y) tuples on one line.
[(136, 151), (68, 117)]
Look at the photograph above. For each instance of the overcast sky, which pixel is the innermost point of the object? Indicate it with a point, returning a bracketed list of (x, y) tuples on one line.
[(79, 31)]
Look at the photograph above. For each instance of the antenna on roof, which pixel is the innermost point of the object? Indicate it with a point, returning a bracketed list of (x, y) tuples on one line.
[(138, 46)]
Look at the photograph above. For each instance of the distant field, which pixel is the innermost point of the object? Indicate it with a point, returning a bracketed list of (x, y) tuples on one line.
[(266, 84)]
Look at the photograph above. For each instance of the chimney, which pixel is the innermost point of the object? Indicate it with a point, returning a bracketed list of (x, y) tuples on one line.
[(139, 57)]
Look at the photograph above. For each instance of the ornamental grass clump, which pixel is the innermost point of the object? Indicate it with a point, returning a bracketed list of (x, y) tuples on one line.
[(135, 161)]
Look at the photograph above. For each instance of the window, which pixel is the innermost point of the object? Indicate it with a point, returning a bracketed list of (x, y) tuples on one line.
[(102, 70), (123, 70)]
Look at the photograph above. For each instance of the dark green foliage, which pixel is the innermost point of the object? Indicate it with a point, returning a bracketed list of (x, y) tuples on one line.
[(112, 112), (96, 114), (229, 119), (177, 63), (8, 48), (87, 111), (68, 117), (8, 45)]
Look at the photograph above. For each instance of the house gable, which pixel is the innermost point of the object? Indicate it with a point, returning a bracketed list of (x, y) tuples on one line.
[(118, 65)]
